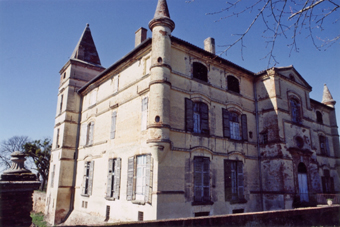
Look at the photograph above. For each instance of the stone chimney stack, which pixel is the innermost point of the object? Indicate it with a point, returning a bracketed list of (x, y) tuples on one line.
[(209, 45), (140, 36)]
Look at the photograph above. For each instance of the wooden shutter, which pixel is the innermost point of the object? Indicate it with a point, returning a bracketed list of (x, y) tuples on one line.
[(188, 180), (116, 184), (109, 178), (327, 146), (189, 112), (244, 127), (227, 180), (148, 179), (198, 180), (204, 112), (91, 178), (240, 180), (206, 179), (113, 125), (130, 179), (226, 123), (144, 113), (84, 179), (83, 129)]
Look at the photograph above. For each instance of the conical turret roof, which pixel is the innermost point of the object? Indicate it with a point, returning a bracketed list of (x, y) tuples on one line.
[(162, 10), (327, 98), (86, 49)]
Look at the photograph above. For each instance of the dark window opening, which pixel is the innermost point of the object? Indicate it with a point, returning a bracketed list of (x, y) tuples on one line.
[(324, 145), (64, 76), (157, 119), (107, 216), (295, 110), (140, 216), (159, 60), (327, 182), (200, 71), (238, 211), (233, 84), (250, 135), (291, 77), (299, 142), (201, 214), (264, 137), (319, 117)]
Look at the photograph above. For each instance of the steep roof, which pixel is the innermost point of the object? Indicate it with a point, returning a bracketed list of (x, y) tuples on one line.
[(86, 49), (327, 97), (162, 10)]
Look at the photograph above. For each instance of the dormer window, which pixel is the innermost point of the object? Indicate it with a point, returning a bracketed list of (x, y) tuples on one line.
[(233, 84), (200, 71), (319, 117), (291, 77)]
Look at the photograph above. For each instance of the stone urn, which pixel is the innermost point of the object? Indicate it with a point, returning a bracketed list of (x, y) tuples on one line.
[(329, 202)]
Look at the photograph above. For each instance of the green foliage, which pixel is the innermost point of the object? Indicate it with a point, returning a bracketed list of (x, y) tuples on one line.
[(40, 152), (38, 219)]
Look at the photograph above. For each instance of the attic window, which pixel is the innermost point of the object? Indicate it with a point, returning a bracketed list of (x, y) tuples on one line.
[(200, 71), (291, 77), (233, 84), (319, 117)]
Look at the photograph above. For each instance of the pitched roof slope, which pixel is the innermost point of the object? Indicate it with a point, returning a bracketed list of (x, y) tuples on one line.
[(86, 49)]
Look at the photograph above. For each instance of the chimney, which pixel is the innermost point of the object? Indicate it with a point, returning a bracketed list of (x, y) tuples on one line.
[(140, 36), (209, 45)]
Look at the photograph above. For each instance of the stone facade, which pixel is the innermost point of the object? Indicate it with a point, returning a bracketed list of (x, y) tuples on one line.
[(172, 130)]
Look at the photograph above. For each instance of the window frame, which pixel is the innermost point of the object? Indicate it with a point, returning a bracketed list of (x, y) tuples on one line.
[(113, 179), (324, 145), (229, 124), (295, 110), (197, 117), (144, 113), (88, 178), (319, 118), (233, 84), (199, 71), (234, 181)]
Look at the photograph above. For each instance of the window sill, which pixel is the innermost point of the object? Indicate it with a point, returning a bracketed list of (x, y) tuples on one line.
[(138, 202), (198, 203), (85, 195), (200, 134), (110, 198), (238, 201)]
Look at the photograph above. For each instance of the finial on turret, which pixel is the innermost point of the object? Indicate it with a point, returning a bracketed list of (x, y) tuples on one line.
[(162, 16), (327, 98)]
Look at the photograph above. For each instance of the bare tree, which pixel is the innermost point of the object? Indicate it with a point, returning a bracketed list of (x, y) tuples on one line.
[(284, 18), (7, 147)]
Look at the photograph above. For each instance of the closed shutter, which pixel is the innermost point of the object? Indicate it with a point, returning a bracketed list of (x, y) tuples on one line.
[(148, 179), (204, 112), (327, 147), (116, 185), (130, 179), (226, 123), (240, 180), (91, 178), (113, 125), (188, 180), (227, 180), (109, 178), (115, 84), (244, 127), (83, 130), (198, 179), (144, 113), (189, 112), (206, 179), (85, 180)]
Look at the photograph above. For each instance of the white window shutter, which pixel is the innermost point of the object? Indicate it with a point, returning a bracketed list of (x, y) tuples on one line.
[(115, 84), (91, 178), (113, 125), (110, 174), (144, 113), (148, 179), (83, 130), (116, 184)]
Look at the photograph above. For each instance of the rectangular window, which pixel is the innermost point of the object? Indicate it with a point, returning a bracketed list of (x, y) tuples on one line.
[(57, 139), (89, 137), (324, 145), (88, 178), (113, 125), (52, 176), (232, 127), (113, 179), (202, 179), (93, 97), (61, 103), (327, 182), (196, 117), (115, 84), (144, 113), (140, 216), (233, 180), (139, 182)]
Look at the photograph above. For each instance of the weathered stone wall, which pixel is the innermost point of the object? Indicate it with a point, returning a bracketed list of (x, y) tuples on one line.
[(39, 200)]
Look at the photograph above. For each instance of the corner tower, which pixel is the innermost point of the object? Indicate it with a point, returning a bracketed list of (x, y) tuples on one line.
[(159, 113), (84, 65)]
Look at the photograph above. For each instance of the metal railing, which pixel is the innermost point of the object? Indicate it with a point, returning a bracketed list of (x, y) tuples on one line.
[(322, 198)]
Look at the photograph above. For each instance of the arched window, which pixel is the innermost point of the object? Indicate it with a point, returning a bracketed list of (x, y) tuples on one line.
[(200, 71), (303, 183), (233, 84), (319, 117), (196, 117), (89, 134), (295, 110)]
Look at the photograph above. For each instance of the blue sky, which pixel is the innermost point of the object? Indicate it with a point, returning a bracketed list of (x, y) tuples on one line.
[(37, 38)]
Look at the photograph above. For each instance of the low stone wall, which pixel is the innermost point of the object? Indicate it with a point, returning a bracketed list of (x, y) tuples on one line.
[(39, 199), (316, 216)]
